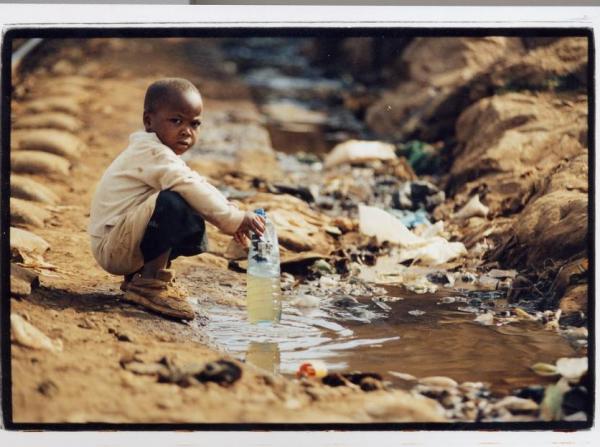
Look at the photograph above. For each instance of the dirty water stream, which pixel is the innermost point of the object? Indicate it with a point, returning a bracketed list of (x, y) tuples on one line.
[(440, 339), (443, 341)]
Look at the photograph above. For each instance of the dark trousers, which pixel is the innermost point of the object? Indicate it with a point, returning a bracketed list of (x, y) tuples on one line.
[(173, 225)]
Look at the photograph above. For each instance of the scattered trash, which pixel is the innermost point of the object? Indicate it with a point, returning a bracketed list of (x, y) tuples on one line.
[(358, 151), (424, 158), (305, 301), (572, 368), (447, 300), (420, 285), (486, 319), (416, 312), (472, 208), (25, 334), (314, 368), (551, 406), (417, 194), (385, 227), (446, 279), (322, 266), (411, 219)]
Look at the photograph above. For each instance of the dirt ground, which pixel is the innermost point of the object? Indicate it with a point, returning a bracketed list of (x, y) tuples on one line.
[(80, 304)]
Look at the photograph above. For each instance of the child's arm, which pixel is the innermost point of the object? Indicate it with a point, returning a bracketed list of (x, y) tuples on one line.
[(166, 170)]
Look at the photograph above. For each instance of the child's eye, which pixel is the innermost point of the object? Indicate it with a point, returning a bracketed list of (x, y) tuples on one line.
[(196, 124), (175, 120)]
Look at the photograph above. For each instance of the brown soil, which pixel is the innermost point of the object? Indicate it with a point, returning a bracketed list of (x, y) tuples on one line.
[(82, 305)]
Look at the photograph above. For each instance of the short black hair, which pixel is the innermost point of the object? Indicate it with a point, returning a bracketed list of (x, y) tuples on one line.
[(162, 90)]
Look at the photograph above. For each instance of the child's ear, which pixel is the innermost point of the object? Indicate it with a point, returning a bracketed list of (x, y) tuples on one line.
[(147, 122)]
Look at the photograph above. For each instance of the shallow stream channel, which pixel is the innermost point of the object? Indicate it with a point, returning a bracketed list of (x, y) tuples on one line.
[(394, 332), (465, 330)]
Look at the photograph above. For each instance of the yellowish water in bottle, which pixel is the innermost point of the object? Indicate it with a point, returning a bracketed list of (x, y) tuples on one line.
[(263, 299)]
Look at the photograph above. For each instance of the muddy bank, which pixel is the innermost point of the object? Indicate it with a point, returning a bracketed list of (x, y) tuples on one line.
[(276, 137)]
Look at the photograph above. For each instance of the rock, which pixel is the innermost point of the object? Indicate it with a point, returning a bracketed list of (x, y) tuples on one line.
[(37, 162), (22, 280), (575, 300), (558, 65), (438, 381), (54, 141), (575, 400), (22, 187), (400, 406), (48, 388), (403, 376), (24, 241), (25, 334), (516, 404), (24, 213), (425, 105), (535, 393), (550, 131), (48, 120), (223, 372), (359, 152), (54, 104)]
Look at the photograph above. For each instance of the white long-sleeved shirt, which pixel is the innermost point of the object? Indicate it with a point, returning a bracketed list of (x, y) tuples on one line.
[(147, 166)]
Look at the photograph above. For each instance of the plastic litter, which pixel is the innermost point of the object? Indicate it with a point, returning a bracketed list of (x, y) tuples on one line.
[(472, 208), (313, 368), (359, 151), (385, 227)]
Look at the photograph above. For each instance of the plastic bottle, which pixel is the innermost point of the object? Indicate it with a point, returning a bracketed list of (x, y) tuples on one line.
[(263, 299)]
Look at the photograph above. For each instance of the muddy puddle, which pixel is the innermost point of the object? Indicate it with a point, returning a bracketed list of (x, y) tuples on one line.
[(444, 340)]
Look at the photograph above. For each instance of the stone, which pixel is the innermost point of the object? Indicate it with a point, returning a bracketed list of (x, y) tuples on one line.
[(37, 162), (22, 187), (54, 141)]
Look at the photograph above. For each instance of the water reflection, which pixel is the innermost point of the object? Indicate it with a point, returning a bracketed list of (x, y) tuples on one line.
[(264, 355)]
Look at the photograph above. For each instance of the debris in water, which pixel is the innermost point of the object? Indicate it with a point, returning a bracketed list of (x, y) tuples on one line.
[(487, 319), (305, 301), (572, 368), (416, 312), (314, 368)]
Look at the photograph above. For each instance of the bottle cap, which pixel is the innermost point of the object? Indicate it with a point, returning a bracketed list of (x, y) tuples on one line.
[(260, 212)]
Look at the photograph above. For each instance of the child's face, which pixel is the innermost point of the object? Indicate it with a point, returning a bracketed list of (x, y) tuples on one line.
[(176, 122)]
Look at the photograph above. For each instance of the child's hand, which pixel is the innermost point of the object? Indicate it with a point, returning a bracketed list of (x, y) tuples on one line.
[(251, 222)]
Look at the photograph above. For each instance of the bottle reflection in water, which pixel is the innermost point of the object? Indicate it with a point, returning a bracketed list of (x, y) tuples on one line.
[(264, 355)]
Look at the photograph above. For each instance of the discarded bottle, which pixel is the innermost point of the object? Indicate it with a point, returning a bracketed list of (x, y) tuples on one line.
[(263, 299), (313, 368)]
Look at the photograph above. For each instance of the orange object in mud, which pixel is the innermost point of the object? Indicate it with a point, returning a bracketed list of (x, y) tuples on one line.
[(314, 368)]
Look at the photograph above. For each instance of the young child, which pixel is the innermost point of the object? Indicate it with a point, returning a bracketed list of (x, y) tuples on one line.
[(149, 206)]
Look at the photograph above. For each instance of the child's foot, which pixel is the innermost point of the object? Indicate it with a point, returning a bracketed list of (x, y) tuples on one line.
[(160, 295)]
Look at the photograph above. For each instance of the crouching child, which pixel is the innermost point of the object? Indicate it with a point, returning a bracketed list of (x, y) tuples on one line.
[(150, 207)]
